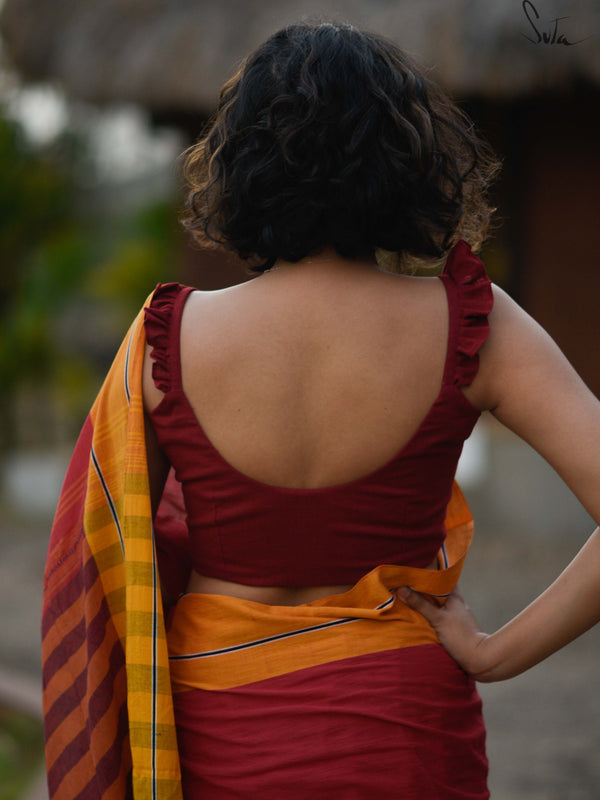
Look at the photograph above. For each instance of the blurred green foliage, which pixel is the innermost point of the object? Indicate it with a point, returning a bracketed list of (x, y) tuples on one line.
[(42, 251), (62, 250), (21, 752), (145, 255)]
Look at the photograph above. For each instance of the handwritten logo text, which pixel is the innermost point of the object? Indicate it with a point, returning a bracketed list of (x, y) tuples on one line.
[(552, 34)]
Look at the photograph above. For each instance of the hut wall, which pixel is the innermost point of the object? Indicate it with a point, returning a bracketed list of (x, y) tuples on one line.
[(560, 256)]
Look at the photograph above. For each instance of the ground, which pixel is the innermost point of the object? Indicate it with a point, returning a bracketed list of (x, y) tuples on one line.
[(543, 726)]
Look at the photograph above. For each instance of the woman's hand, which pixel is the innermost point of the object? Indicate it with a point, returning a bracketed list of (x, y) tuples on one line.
[(568, 608), (456, 627)]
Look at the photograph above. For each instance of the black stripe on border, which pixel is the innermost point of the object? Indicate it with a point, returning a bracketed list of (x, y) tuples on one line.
[(445, 560), (109, 499), (278, 637), (431, 594), (126, 376)]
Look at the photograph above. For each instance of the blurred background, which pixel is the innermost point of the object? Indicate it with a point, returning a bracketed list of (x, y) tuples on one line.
[(97, 100)]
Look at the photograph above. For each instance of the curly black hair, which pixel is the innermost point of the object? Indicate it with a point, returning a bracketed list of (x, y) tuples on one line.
[(330, 136)]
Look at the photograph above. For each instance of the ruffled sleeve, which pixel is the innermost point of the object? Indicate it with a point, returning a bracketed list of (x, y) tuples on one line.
[(158, 321), (472, 299)]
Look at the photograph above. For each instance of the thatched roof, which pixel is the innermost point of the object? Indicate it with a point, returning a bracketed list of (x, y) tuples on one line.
[(175, 54)]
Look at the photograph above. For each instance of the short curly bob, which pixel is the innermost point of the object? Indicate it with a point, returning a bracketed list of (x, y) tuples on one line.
[(328, 136)]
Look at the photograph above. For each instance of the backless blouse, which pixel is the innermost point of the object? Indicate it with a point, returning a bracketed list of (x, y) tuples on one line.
[(253, 533)]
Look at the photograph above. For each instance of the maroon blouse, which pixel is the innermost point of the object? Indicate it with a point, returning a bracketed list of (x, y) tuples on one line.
[(249, 532)]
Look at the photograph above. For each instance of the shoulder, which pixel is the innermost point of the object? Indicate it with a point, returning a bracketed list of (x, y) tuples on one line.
[(532, 389), (518, 355), (162, 319), (470, 293), (515, 337), (165, 294)]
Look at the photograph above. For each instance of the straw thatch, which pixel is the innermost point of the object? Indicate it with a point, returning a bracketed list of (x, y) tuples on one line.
[(175, 54)]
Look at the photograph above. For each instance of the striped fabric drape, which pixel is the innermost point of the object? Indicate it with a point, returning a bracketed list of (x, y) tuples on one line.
[(108, 704), (108, 707), (242, 642)]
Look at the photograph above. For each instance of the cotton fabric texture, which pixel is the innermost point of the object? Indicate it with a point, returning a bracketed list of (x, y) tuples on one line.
[(108, 708), (249, 532), (292, 697), (350, 696)]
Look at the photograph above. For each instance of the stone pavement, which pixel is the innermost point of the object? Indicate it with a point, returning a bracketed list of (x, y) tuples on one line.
[(543, 727)]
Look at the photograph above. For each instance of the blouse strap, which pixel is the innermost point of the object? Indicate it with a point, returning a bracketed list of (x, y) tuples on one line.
[(163, 333), (470, 300)]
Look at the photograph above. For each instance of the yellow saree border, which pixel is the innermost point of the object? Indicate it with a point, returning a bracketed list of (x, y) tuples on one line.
[(217, 642), (107, 700)]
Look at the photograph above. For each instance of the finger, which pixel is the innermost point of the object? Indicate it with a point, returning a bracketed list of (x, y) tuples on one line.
[(455, 597), (418, 602)]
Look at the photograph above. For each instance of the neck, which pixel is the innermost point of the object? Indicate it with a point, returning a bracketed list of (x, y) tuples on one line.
[(326, 260)]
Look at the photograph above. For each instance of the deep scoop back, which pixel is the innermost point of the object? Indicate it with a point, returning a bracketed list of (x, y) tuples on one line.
[(253, 533)]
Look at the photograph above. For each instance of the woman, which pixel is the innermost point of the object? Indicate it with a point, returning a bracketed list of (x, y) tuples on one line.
[(308, 414), (314, 417)]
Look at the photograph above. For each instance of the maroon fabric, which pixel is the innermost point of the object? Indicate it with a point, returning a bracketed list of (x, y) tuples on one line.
[(402, 723), (173, 544), (246, 531)]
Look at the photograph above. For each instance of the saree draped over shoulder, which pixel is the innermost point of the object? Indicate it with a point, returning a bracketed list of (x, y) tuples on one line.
[(108, 708), (349, 697)]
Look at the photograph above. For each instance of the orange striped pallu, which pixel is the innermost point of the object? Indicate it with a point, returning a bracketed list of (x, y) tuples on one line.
[(108, 706), (347, 697)]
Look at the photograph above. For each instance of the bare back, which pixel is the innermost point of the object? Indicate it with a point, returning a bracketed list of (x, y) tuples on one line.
[(311, 377)]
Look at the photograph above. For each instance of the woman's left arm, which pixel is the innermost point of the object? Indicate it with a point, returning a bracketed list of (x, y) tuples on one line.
[(568, 608), (528, 384)]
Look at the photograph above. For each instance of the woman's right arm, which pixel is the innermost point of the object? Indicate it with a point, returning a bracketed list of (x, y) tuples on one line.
[(158, 465), (528, 384)]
